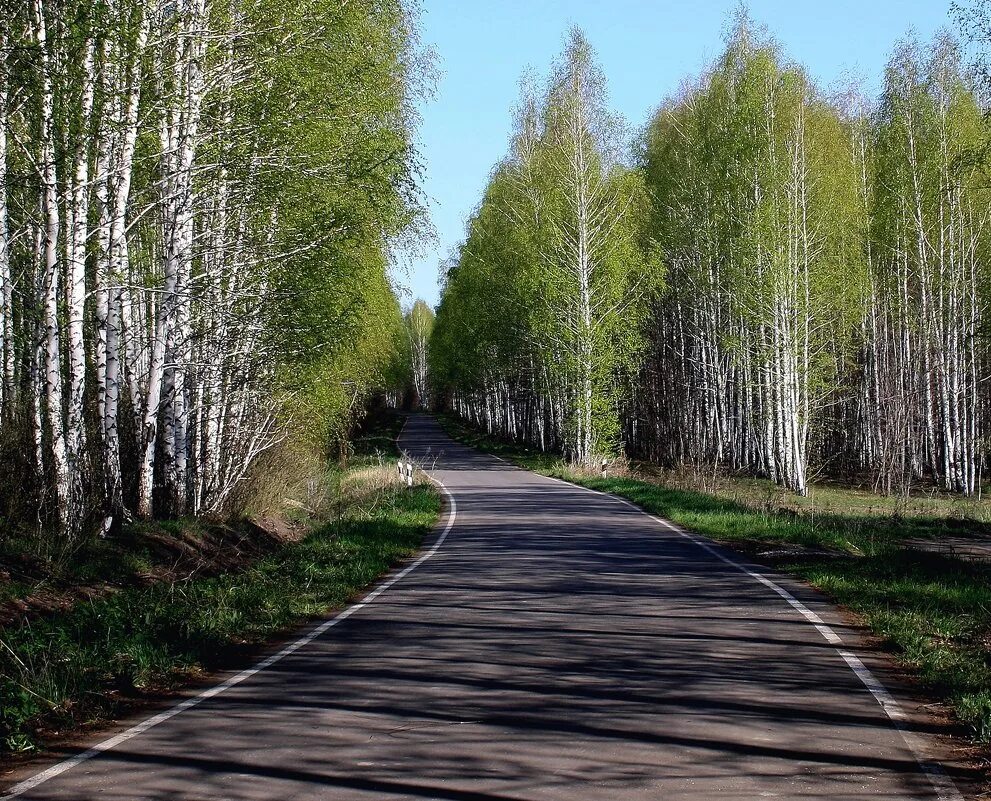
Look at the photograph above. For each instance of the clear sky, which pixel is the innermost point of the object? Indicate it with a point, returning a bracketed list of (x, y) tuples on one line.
[(646, 47)]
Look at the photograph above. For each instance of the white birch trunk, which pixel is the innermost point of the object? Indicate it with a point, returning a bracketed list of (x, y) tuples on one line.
[(53, 382), (76, 284), (6, 284)]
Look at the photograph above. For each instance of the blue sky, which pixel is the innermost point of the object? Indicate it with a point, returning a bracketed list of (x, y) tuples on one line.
[(646, 49)]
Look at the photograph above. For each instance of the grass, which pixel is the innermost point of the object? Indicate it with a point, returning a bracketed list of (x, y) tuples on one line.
[(92, 662), (932, 610)]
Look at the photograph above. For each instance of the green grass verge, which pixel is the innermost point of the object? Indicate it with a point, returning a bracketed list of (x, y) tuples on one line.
[(89, 663), (933, 611)]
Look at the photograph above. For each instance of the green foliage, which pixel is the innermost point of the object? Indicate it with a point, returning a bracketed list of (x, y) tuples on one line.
[(547, 295), (239, 257), (973, 19), (928, 239), (337, 107), (929, 125), (752, 174), (409, 380)]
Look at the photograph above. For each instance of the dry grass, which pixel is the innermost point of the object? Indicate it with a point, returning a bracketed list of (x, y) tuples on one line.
[(615, 466), (824, 498), (363, 488), (291, 480)]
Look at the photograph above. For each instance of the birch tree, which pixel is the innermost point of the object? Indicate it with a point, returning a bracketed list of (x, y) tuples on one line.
[(826, 296), (930, 214), (419, 325), (198, 207), (554, 257)]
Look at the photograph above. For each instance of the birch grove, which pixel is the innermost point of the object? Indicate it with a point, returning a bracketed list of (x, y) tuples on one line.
[(557, 240), (923, 406), (198, 204), (823, 261), (751, 182)]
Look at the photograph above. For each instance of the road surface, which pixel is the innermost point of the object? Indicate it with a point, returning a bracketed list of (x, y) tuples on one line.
[(554, 644)]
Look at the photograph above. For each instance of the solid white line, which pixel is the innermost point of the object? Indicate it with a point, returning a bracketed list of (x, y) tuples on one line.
[(189, 703), (942, 784)]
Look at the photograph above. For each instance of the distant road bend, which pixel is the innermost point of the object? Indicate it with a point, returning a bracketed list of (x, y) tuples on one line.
[(553, 643)]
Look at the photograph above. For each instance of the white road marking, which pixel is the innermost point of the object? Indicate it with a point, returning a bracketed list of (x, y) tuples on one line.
[(60, 768), (942, 784)]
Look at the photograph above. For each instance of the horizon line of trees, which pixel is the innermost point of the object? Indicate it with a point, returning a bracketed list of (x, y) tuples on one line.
[(199, 200), (779, 281)]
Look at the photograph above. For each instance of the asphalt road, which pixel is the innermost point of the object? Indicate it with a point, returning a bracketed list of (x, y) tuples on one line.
[(558, 644)]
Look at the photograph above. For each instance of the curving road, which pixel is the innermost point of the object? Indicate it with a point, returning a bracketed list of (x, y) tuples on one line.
[(554, 644)]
